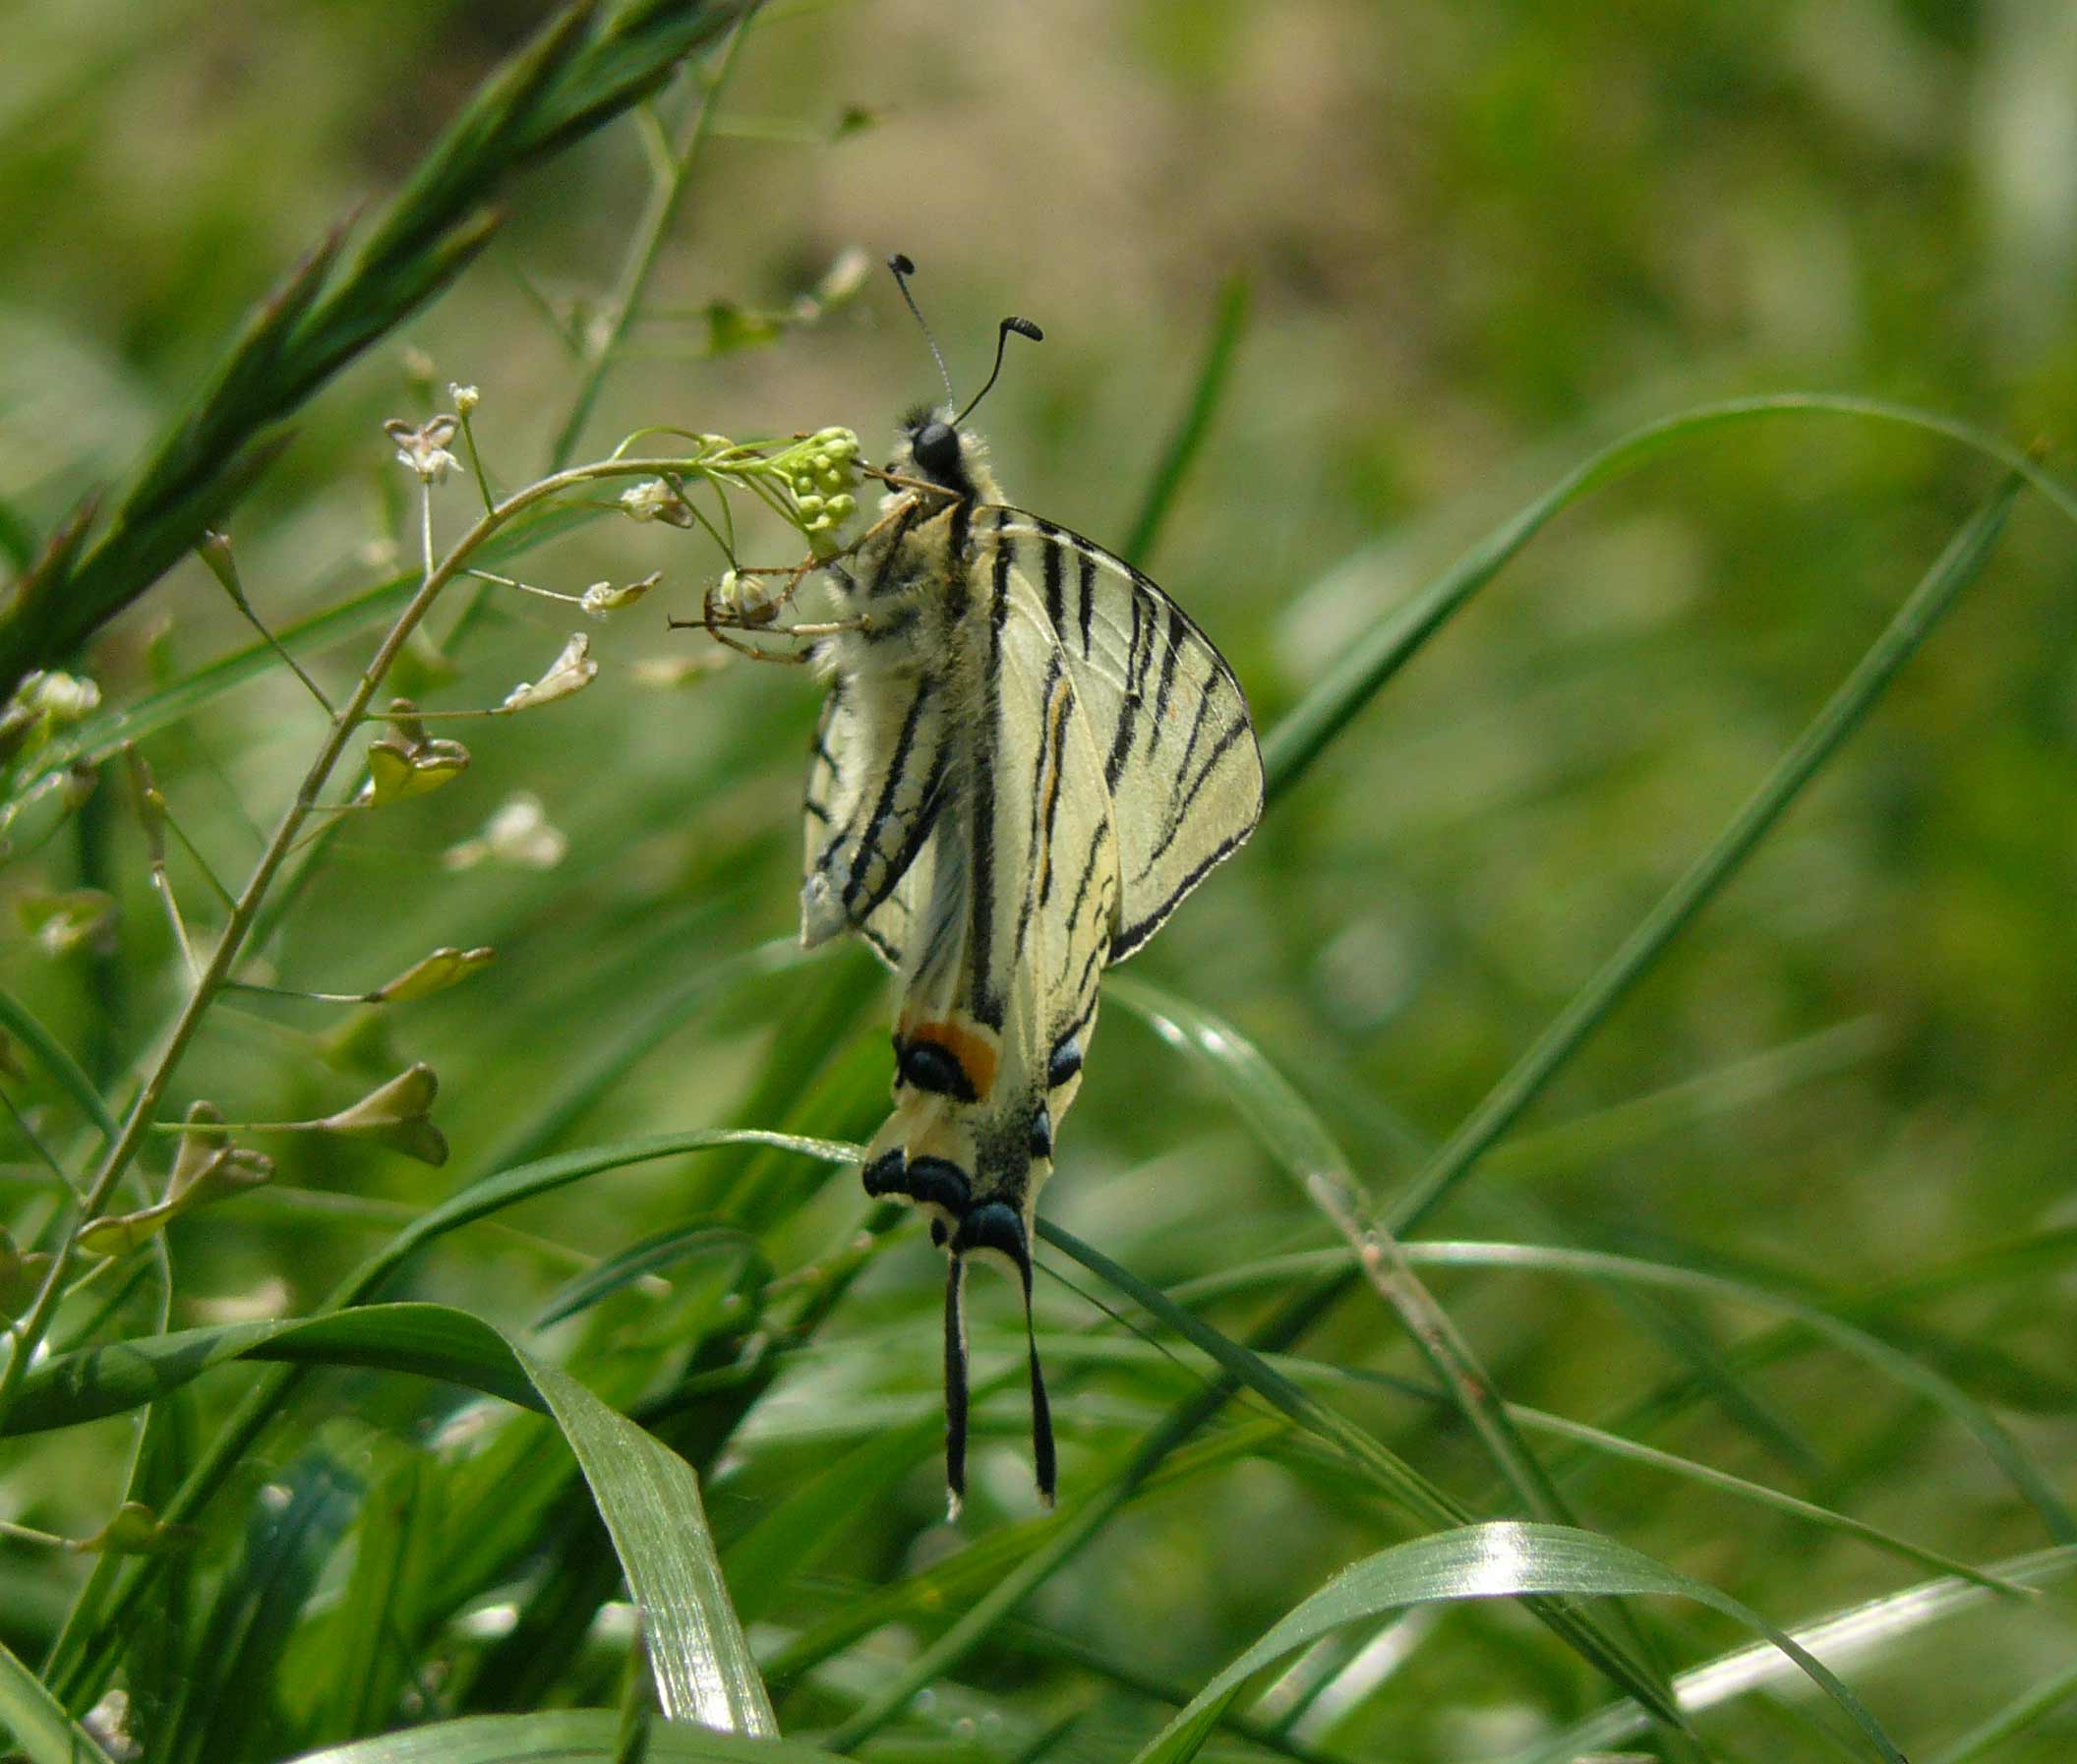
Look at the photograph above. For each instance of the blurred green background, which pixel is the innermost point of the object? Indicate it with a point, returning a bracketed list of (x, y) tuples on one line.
[(1478, 240)]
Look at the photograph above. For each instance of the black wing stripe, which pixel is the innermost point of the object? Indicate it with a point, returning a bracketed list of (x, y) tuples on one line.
[(1045, 799), (987, 1007), (1129, 709), (1055, 572), (1131, 936), (1234, 731), (1160, 696), (897, 775), (893, 552), (1086, 583)]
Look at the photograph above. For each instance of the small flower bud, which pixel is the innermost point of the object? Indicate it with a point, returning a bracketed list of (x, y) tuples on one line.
[(602, 598), (435, 973), (396, 1115), (570, 672), (466, 399), (399, 770)]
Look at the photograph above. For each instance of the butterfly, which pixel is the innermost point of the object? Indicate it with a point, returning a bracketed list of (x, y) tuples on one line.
[(1029, 755)]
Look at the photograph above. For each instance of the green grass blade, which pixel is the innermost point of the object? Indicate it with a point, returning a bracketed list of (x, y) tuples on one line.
[(37, 1722), (1987, 1738), (288, 1539), (658, 1251), (80, 1673), (1229, 323), (1391, 1474), (2029, 1480), (370, 1643), (57, 1060), (649, 1497), (1506, 1559), (768, 1560), (1304, 1372), (101, 737), (563, 1737), (1958, 566), (432, 1340), (1859, 1632), (1304, 733)]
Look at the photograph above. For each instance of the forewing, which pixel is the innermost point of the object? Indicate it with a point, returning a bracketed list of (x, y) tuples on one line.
[(875, 782), (1168, 719)]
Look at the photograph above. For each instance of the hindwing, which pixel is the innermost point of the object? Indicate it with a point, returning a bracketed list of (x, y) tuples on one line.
[(1180, 759)]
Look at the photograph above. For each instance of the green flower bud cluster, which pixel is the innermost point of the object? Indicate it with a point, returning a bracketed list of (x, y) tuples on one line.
[(821, 478)]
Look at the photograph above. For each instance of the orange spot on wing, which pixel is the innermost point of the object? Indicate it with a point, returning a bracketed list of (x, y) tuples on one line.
[(971, 1047)]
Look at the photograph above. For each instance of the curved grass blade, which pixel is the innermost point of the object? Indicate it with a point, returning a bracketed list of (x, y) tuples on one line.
[(1957, 566), (1505, 1559), (660, 1250), (789, 1540), (1860, 1631), (57, 1060), (564, 1736), (1229, 321), (78, 1673), (2032, 1483), (1293, 1133), (1303, 734), (2028, 1479), (1391, 1474), (37, 1722), (432, 1340), (1303, 1373), (2013, 1720), (648, 1496)]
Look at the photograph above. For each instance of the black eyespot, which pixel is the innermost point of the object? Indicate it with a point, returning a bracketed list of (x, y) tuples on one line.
[(1043, 1132), (1065, 1063), (939, 1182), (992, 1225), (884, 1175), (936, 450), (932, 1066)]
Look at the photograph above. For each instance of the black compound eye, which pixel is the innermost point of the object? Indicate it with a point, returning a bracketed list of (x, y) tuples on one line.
[(936, 450), (1043, 1132), (932, 1066)]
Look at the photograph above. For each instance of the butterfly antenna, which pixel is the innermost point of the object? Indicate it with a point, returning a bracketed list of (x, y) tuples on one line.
[(1024, 327), (904, 267), (955, 1387)]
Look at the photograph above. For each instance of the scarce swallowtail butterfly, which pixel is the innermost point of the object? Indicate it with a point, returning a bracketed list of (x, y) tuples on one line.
[(1028, 756)]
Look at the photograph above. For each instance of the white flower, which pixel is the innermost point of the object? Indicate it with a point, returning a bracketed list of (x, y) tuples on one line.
[(424, 449), (651, 500)]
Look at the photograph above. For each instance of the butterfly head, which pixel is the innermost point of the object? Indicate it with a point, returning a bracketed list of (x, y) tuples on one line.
[(934, 448)]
